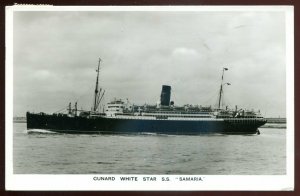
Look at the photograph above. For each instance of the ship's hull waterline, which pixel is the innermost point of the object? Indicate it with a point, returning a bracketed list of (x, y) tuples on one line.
[(104, 125)]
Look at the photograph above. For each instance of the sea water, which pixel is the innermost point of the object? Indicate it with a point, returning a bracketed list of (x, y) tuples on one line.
[(43, 152)]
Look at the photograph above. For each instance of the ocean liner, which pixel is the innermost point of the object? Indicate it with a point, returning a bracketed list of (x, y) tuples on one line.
[(122, 117)]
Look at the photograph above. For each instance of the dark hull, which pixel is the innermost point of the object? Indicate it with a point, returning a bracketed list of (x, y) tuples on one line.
[(102, 125)]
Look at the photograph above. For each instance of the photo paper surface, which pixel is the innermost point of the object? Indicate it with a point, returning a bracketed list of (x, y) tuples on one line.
[(149, 98)]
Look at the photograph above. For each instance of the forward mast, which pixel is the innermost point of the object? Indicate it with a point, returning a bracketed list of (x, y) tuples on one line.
[(98, 93)]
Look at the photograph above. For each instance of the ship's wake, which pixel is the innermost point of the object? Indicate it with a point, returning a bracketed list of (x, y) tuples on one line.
[(39, 131)]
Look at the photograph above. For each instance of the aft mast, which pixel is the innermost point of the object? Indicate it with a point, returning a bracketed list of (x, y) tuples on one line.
[(221, 88), (96, 88)]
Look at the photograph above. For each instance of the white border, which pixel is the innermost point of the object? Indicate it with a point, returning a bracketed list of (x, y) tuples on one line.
[(290, 142), (210, 182), (152, 8), (8, 97)]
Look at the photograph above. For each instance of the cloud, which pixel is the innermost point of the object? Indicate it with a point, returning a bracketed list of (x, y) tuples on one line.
[(56, 54), (185, 52)]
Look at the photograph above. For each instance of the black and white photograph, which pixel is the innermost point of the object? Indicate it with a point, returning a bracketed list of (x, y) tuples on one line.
[(149, 98)]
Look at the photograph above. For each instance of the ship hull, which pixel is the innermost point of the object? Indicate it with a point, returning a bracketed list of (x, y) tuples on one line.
[(103, 125)]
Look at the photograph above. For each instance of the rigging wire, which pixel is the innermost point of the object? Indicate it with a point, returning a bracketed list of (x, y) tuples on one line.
[(205, 94), (207, 89), (65, 108), (213, 97), (225, 101), (173, 94)]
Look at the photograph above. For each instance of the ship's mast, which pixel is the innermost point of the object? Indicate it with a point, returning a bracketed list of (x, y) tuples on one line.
[(221, 88), (96, 88)]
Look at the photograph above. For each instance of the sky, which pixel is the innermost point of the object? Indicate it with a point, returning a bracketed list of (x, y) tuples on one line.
[(55, 55)]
